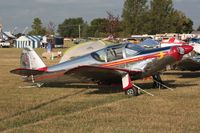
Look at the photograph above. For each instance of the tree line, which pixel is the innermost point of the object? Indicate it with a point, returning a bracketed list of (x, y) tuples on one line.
[(138, 17)]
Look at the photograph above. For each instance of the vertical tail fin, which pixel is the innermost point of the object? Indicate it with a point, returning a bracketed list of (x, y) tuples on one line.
[(30, 59)]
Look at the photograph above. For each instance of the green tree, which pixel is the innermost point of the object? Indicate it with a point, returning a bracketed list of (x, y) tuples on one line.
[(113, 25), (71, 27), (164, 18), (37, 28), (133, 16), (160, 13), (85, 30), (97, 27), (186, 24), (181, 23)]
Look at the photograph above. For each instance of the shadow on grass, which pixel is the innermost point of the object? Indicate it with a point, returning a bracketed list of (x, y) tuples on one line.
[(145, 86), (168, 83), (98, 89), (40, 105), (74, 86), (184, 74), (106, 89)]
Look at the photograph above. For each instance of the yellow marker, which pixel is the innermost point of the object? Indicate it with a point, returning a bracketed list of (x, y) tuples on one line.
[(161, 55)]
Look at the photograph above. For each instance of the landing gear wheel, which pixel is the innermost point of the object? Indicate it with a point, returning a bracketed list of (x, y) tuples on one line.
[(132, 92)]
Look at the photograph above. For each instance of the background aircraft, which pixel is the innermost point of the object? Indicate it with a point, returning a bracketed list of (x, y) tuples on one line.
[(117, 64), (189, 63)]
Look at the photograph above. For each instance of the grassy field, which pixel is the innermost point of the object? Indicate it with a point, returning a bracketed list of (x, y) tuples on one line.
[(68, 109)]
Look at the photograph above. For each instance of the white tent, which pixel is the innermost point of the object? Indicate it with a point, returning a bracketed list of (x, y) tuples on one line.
[(24, 41)]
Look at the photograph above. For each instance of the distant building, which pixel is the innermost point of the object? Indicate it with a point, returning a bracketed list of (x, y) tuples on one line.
[(58, 42), (7, 39), (8, 35)]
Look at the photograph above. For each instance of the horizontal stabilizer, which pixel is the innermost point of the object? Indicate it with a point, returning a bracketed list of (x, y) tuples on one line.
[(26, 72)]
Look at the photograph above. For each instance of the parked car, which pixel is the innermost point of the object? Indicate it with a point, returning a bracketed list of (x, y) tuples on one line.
[(4, 44)]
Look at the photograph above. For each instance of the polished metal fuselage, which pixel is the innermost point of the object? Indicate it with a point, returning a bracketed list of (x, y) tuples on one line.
[(149, 62)]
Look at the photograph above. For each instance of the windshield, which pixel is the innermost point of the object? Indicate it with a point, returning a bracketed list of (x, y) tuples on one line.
[(108, 54), (117, 52), (114, 53), (133, 49), (99, 55)]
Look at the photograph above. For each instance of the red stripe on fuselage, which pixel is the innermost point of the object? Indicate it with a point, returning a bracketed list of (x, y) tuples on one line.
[(131, 60)]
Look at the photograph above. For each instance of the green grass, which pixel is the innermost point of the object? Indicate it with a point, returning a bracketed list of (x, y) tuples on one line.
[(60, 109)]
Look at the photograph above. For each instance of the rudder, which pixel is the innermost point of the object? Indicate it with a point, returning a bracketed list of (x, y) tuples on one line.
[(30, 59)]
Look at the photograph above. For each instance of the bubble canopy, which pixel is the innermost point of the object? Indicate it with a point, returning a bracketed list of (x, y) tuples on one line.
[(116, 52)]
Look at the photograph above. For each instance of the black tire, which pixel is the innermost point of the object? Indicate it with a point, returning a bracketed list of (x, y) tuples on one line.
[(132, 92)]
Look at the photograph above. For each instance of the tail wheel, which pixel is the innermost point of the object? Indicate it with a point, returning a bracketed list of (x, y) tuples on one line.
[(132, 92)]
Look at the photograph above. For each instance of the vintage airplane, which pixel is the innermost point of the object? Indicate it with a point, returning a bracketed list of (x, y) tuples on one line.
[(117, 64)]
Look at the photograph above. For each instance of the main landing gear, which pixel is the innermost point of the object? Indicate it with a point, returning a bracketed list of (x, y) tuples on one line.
[(130, 88), (157, 81), (132, 91), (135, 91)]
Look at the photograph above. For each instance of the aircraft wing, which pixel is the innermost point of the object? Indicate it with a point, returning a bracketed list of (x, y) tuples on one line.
[(81, 74), (99, 74), (85, 74)]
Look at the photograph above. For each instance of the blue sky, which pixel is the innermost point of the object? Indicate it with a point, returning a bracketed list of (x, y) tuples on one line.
[(20, 13)]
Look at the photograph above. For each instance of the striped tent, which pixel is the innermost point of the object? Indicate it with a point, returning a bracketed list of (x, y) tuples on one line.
[(32, 41), (36, 41)]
